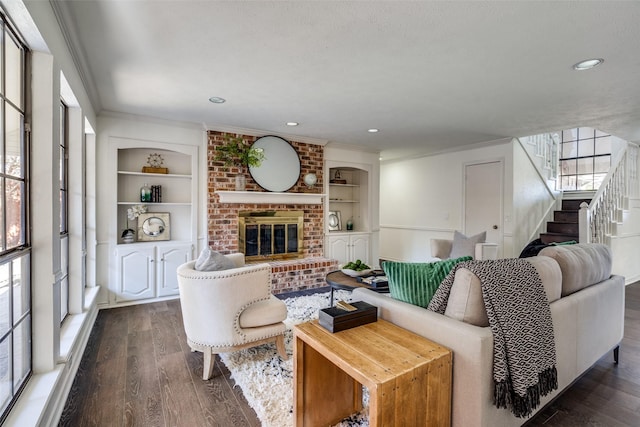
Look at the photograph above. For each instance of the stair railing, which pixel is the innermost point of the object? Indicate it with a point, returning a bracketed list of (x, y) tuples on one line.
[(598, 219)]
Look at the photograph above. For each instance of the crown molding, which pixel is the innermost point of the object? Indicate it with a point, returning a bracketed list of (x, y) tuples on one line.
[(72, 40)]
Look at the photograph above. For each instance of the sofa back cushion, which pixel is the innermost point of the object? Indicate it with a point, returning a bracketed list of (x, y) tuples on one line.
[(582, 265), (465, 300), (416, 282)]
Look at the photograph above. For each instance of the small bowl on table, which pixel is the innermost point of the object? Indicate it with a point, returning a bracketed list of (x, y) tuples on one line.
[(355, 273)]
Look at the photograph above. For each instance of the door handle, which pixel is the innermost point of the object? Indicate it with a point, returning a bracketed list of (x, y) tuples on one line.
[(495, 227)]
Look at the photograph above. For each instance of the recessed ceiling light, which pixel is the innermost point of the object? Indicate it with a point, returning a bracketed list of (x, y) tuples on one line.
[(588, 64), (292, 123), (373, 130), (217, 100)]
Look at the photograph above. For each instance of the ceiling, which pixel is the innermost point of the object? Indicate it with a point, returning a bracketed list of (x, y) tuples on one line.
[(431, 76)]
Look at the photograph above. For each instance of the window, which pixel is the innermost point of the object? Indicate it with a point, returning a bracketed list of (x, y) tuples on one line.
[(64, 212), (585, 158), (15, 251)]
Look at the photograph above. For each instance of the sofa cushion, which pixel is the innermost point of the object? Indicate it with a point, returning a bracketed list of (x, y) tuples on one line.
[(465, 300), (465, 246), (582, 265), (416, 282), (213, 261), (550, 275)]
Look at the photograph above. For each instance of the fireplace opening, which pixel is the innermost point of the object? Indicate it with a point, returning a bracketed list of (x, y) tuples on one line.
[(270, 235)]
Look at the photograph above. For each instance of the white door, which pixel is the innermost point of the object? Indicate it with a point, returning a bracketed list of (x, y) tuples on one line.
[(483, 201)]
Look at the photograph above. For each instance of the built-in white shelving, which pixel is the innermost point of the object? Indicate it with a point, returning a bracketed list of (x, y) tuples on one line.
[(145, 270)]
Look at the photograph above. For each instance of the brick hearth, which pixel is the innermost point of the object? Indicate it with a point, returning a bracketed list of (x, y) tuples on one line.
[(305, 273)]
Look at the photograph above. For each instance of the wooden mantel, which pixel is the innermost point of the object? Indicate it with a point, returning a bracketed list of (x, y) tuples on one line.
[(264, 197)]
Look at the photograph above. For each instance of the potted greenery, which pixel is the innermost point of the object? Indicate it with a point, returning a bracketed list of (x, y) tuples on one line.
[(235, 152)]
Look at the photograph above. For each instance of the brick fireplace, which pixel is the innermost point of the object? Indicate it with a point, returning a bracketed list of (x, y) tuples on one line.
[(223, 218)]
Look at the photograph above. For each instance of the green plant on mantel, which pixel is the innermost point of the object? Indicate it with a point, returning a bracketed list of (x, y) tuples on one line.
[(234, 152)]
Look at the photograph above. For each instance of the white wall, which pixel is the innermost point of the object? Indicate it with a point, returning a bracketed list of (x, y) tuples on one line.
[(147, 129), (625, 245), (533, 201), (423, 198), (627, 240)]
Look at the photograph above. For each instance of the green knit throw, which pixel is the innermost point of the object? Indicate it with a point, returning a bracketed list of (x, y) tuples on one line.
[(416, 282)]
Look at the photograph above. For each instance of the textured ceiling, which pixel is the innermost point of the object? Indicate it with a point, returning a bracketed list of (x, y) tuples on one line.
[(430, 75)]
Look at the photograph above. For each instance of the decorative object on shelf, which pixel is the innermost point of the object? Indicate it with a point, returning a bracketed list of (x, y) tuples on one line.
[(349, 224), (333, 221), (241, 182), (337, 178), (310, 180), (155, 162), (235, 152), (145, 193), (280, 169), (156, 194), (133, 213), (154, 226), (128, 236)]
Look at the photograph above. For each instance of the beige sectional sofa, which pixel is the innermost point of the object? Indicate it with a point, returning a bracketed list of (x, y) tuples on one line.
[(587, 309)]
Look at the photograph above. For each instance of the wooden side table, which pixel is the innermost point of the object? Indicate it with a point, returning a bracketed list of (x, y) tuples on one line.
[(408, 376)]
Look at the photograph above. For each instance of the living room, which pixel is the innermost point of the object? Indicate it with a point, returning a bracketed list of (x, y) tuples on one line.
[(427, 177)]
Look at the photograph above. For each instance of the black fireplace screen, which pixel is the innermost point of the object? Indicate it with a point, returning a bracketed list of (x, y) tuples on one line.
[(271, 235)]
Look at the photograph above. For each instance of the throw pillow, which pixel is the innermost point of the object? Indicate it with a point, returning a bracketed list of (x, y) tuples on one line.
[(465, 246), (212, 261), (416, 282)]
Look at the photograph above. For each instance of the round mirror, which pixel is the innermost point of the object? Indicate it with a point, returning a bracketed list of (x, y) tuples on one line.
[(280, 169), (153, 226)]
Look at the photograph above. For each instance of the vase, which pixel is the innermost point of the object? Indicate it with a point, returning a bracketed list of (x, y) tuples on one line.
[(127, 236), (145, 193), (241, 182)]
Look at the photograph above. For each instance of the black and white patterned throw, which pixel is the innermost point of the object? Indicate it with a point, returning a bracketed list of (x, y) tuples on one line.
[(524, 353)]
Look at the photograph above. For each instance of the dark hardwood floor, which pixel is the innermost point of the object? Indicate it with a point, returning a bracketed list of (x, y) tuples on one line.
[(137, 370)]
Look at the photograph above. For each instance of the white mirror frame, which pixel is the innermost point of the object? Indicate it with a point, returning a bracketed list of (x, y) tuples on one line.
[(280, 169)]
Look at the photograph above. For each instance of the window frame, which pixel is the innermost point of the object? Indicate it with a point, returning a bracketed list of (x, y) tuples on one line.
[(64, 210), (574, 176), (9, 255)]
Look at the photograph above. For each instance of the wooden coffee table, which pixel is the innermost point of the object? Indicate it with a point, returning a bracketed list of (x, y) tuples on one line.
[(408, 376), (338, 280)]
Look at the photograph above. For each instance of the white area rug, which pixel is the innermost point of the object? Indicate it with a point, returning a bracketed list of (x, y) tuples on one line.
[(267, 381)]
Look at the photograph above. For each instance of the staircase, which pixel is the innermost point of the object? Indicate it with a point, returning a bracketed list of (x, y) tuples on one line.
[(564, 226)]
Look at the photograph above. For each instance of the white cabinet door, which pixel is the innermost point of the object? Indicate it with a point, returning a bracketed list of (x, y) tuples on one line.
[(360, 248), (169, 259), (338, 248), (136, 273), (346, 248)]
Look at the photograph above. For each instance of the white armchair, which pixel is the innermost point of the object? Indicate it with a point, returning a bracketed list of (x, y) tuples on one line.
[(229, 310)]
